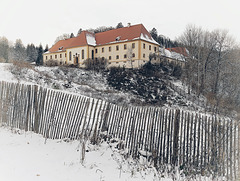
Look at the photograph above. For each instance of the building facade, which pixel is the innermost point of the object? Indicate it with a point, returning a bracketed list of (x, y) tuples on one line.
[(128, 47)]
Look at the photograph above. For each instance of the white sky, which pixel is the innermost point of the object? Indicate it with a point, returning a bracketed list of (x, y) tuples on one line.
[(42, 21)]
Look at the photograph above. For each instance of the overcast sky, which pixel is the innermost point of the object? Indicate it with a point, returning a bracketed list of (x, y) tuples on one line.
[(42, 21)]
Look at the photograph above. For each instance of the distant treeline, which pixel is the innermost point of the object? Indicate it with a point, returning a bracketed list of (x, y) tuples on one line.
[(18, 52)]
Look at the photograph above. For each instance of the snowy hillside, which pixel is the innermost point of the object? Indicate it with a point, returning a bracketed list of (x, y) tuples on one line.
[(137, 88)]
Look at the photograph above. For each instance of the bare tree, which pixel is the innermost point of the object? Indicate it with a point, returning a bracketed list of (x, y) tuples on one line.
[(62, 37)]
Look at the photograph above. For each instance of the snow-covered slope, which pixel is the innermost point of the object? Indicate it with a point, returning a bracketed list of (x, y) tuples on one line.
[(136, 89), (25, 157), (5, 74)]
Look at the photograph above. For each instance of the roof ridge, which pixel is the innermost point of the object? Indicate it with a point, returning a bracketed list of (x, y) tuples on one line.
[(120, 28)]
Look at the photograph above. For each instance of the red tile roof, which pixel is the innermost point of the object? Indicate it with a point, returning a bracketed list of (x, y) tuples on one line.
[(124, 34), (180, 50), (117, 35), (71, 42)]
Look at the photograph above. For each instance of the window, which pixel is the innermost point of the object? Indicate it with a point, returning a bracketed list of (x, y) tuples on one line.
[(133, 55), (102, 50), (144, 55), (133, 45), (55, 56), (82, 54), (65, 55), (95, 50), (117, 47), (102, 58), (46, 57), (144, 46), (155, 49), (117, 57), (70, 56), (150, 47), (125, 46), (109, 49), (51, 57), (110, 58), (60, 55), (125, 55)]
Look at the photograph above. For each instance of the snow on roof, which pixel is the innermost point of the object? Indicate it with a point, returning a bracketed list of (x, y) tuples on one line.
[(147, 38), (91, 39), (172, 54), (178, 56)]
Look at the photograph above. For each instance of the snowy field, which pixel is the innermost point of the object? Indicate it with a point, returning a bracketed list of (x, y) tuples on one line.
[(25, 157)]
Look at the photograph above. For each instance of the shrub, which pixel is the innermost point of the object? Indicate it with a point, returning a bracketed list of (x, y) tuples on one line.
[(19, 68), (97, 65), (51, 63)]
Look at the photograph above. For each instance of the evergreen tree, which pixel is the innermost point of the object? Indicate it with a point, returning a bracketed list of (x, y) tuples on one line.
[(32, 53), (46, 48), (19, 53), (119, 25), (72, 35), (79, 31), (154, 34), (39, 60)]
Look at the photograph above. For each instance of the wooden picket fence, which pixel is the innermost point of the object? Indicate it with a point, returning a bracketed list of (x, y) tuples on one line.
[(196, 143)]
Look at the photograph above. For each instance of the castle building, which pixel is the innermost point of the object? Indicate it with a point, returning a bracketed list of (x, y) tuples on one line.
[(128, 47)]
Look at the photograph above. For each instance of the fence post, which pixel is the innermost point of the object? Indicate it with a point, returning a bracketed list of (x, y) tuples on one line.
[(238, 154), (36, 120), (175, 137)]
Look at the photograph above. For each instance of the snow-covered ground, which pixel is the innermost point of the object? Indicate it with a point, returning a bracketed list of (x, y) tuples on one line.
[(5, 74), (25, 157)]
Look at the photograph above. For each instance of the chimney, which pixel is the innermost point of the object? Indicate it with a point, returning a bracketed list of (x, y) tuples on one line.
[(129, 24)]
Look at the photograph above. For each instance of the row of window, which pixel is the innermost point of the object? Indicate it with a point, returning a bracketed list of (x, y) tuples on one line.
[(110, 57), (70, 55), (51, 57), (109, 49), (125, 47), (125, 56)]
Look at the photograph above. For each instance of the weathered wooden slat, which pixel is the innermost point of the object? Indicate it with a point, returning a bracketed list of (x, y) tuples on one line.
[(132, 132), (94, 120), (116, 116), (195, 139), (191, 140), (54, 122), (65, 123), (73, 126), (79, 123), (160, 135), (123, 122), (176, 137), (127, 119)]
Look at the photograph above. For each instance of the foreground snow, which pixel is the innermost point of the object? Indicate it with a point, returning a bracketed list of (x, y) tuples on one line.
[(25, 157)]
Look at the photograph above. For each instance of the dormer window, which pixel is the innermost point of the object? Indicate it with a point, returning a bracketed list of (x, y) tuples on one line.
[(60, 48), (118, 38)]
